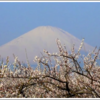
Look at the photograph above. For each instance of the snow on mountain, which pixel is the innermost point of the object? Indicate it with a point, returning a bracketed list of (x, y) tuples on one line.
[(43, 37)]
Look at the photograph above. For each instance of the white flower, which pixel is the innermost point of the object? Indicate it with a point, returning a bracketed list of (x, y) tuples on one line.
[(36, 57), (57, 60), (65, 54), (45, 51), (77, 57), (1, 84), (43, 59)]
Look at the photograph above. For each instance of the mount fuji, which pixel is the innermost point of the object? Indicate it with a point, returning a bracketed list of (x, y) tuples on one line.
[(34, 41)]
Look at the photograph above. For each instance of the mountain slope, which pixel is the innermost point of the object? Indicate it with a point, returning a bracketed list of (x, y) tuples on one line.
[(36, 40)]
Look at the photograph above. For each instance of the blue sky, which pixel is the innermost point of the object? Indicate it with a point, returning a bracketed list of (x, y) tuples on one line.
[(79, 19)]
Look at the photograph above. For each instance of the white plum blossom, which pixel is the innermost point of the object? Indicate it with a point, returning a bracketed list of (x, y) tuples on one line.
[(77, 57), (43, 59), (1, 84), (36, 57)]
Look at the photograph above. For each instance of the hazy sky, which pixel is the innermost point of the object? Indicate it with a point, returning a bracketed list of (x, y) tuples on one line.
[(79, 19)]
